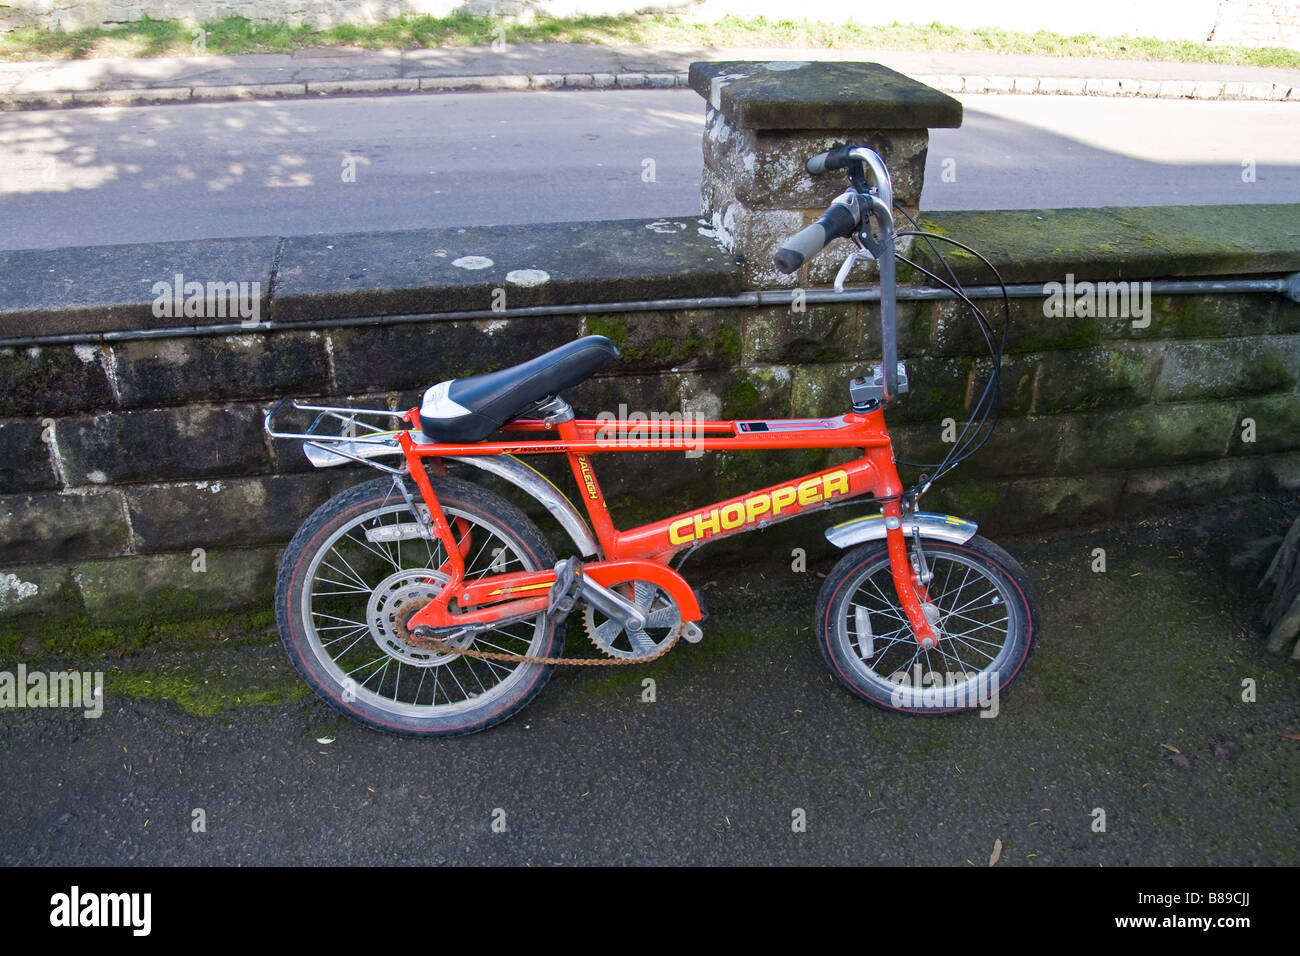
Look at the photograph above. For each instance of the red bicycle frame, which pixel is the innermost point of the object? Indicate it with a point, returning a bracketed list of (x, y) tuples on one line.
[(644, 552)]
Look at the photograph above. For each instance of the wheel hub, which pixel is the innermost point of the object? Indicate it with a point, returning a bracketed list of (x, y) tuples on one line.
[(393, 603)]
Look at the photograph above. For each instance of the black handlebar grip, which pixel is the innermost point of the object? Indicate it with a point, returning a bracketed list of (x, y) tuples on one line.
[(829, 160), (839, 220)]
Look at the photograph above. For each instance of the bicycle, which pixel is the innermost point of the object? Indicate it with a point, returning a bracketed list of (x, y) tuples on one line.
[(426, 605)]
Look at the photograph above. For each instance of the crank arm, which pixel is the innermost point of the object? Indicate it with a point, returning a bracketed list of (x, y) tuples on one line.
[(612, 604)]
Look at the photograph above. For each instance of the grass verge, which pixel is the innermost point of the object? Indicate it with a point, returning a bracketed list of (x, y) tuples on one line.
[(235, 35)]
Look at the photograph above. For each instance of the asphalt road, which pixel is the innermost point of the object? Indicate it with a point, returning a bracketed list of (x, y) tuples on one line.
[(288, 167), (1132, 705)]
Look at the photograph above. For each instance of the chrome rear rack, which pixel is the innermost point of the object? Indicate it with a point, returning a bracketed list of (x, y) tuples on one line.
[(357, 440)]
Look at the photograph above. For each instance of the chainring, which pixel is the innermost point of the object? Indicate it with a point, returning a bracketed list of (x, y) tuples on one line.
[(662, 627)]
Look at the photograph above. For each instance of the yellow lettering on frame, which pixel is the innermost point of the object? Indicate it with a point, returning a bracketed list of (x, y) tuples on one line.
[(836, 483), (679, 531), (810, 491), (758, 505), (709, 524), (782, 498)]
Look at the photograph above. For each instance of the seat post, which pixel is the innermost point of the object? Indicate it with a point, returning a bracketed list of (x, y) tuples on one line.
[(554, 410)]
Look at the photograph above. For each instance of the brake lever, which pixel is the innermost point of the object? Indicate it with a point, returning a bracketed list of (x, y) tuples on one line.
[(849, 261)]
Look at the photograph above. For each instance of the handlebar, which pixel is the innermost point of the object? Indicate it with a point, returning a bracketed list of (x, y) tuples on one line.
[(843, 156), (840, 220), (829, 160)]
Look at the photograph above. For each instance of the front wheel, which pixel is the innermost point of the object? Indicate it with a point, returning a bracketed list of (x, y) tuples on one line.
[(358, 570), (985, 615)]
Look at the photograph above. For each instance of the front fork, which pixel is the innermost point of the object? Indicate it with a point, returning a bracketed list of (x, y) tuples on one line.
[(910, 581)]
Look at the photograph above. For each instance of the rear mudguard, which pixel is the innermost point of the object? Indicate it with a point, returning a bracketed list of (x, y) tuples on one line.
[(872, 528)]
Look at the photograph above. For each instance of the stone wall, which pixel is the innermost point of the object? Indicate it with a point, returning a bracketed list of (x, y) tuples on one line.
[(135, 480), (1257, 23)]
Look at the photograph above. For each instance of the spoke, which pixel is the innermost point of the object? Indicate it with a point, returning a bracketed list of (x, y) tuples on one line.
[(888, 600), (977, 650), (382, 657), (464, 693), (965, 577), (947, 577), (469, 666), (380, 673), (495, 647), (360, 637), (978, 597), (343, 637), (350, 572), (469, 565), (872, 617), (890, 610), (912, 660), (968, 638), (341, 620), (382, 553), (992, 625), (955, 656), (885, 650), (494, 666), (525, 639), (363, 588), (1005, 615), (888, 607)]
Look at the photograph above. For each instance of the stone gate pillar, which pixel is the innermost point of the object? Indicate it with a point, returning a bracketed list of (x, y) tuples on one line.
[(763, 120)]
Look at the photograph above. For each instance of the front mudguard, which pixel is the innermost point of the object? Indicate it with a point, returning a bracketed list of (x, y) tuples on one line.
[(932, 526)]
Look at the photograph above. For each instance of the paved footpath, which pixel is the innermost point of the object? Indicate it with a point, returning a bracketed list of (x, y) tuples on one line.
[(324, 71)]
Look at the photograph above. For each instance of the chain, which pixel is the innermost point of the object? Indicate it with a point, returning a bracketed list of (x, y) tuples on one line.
[(441, 646)]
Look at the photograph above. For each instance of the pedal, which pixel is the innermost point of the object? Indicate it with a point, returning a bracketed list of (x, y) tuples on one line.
[(567, 588)]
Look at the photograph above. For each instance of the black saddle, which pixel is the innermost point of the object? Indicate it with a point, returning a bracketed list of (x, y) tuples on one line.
[(465, 410)]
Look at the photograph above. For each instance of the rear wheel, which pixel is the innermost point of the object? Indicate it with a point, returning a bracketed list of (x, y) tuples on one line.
[(357, 571), (985, 615)]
